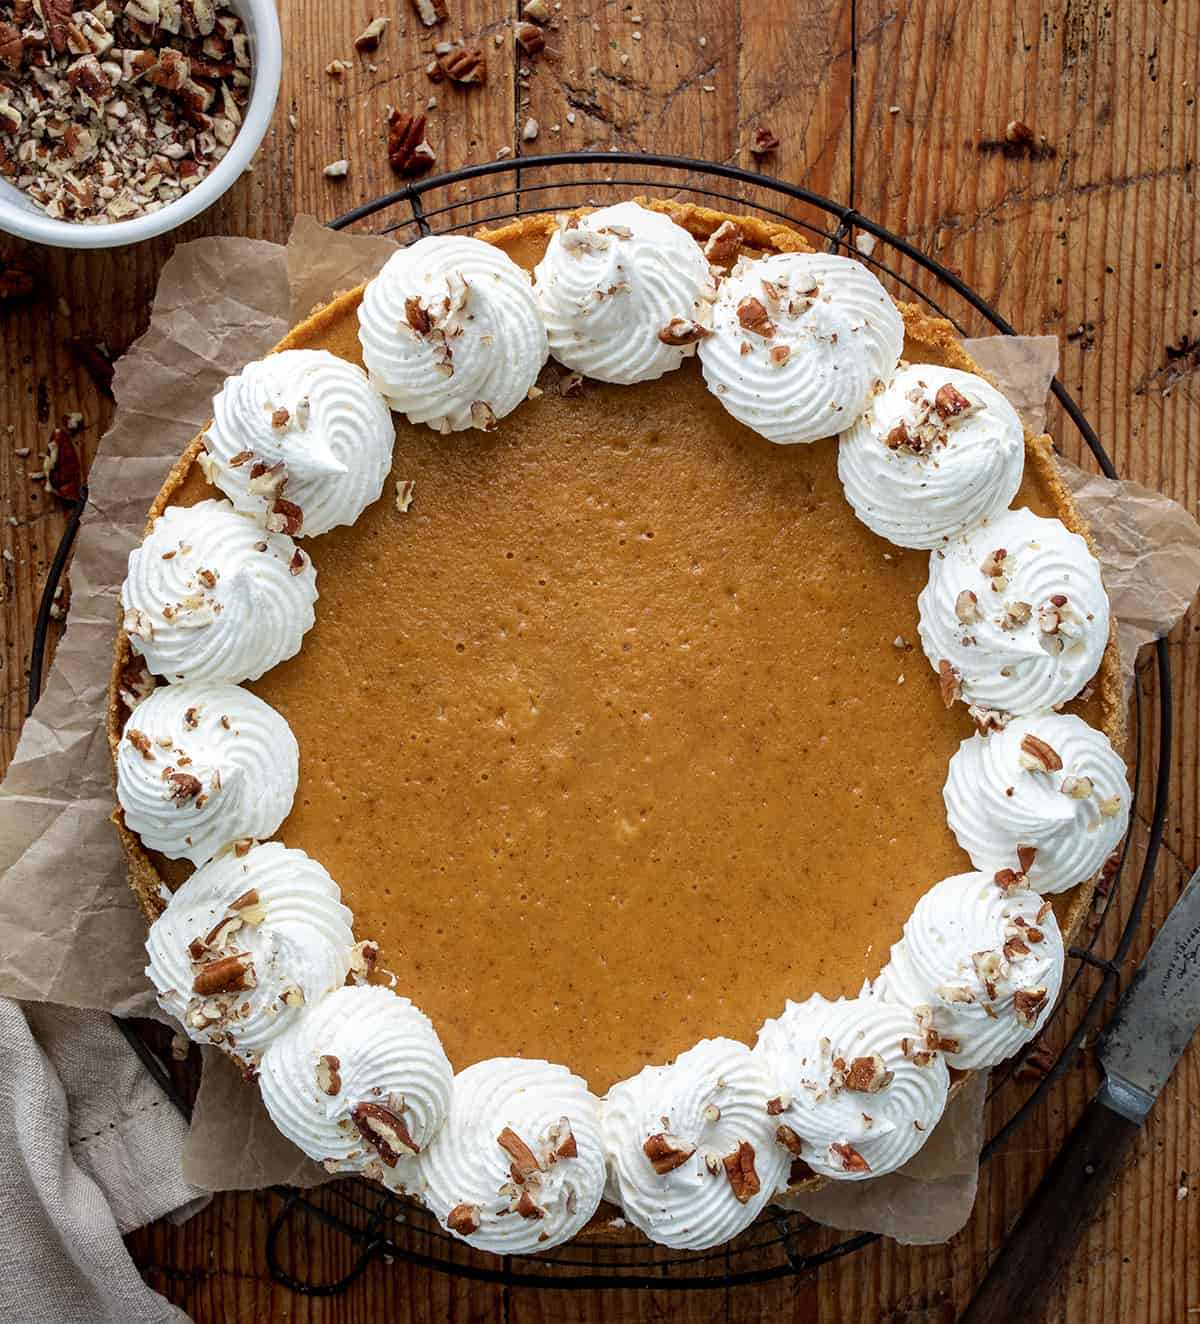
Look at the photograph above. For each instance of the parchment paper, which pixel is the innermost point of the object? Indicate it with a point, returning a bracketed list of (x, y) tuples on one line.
[(70, 931)]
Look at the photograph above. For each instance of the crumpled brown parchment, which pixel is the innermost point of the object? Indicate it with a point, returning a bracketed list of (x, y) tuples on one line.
[(70, 931)]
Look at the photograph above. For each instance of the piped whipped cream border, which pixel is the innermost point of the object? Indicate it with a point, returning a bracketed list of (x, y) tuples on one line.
[(515, 1155)]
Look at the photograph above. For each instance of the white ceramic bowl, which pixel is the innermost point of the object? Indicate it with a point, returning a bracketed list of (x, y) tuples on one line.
[(20, 216)]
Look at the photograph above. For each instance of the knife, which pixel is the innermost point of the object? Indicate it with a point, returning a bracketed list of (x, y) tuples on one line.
[(1153, 1024)]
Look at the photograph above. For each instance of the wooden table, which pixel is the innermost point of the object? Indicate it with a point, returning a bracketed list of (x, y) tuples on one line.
[(1090, 232)]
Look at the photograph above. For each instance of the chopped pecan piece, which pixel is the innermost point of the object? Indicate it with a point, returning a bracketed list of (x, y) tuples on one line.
[(724, 244), (752, 317), (431, 12), (530, 38), (788, 1139), (682, 331), (1038, 756), (740, 1170), (1005, 879), (369, 38), (12, 45), (385, 1132), (463, 1219), (230, 974), (1027, 1003), (528, 1208), (141, 742), (18, 276), (851, 1160), (329, 1079), (417, 317), (184, 786), (1025, 857), (1078, 788), (286, 517), (562, 1140), (464, 65), (950, 682), (666, 1152), (950, 402), (992, 564), (1110, 806), (483, 416), (775, 1106), (523, 1161), (868, 1075), (966, 607), (763, 141)]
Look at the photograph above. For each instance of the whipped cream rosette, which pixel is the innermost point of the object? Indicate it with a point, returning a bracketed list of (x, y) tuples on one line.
[(800, 344), (246, 943), (1047, 797), (692, 1146), (519, 1165), (1014, 616), (451, 334), (936, 452), (360, 1082), (980, 965), (210, 595), (201, 765), (853, 1103), (301, 439), (625, 293)]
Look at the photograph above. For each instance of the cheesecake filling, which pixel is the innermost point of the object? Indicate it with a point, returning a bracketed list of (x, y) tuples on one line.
[(936, 453), (252, 952)]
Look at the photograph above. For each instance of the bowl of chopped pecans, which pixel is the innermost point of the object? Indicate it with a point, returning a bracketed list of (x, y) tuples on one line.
[(121, 119)]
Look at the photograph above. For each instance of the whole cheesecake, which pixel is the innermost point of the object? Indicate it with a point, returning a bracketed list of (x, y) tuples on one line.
[(619, 726)]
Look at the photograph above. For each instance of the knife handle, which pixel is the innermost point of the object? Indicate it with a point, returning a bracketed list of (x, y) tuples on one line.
[(1024, 1273)]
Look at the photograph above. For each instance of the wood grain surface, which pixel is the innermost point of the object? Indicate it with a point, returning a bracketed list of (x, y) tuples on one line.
[(1089, 233)]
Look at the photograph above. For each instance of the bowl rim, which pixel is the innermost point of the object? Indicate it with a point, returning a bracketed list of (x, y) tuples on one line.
[(260, 109)]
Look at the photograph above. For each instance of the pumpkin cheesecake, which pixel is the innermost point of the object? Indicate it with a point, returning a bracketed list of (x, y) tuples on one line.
[(743, 657)]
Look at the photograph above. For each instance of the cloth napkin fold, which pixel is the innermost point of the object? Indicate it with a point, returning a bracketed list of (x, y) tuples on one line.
[(91, 1148)]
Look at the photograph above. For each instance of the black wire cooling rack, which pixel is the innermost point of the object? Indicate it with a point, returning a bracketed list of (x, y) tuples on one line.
[(377, 1225)]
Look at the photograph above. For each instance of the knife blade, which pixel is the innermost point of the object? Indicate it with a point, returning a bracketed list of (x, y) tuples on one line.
[(1153, 1024), (1158, 1014)]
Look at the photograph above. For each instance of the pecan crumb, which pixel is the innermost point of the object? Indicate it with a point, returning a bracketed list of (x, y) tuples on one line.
[(666, 1152), (740, 1170), (763, 141), (752, 317), (1037, 756), (851, 1159), (950, 682), (724, 244), (463, 1219), (683, 331)]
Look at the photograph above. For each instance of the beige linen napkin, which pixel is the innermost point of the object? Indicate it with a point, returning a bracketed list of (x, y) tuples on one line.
[(90, 1150)]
